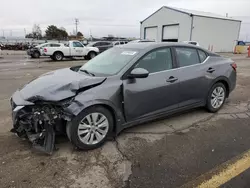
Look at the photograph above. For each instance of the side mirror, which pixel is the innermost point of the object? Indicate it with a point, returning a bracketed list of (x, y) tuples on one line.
[(139, 73)]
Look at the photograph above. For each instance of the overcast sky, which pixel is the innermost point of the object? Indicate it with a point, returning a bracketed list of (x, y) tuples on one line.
[(103, 17)]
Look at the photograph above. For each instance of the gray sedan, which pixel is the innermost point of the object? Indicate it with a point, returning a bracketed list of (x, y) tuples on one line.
[(122, 87)]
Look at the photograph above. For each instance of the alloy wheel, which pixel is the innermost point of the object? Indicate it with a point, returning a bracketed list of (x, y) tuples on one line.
[(58, 56), (93, 128), (217, 98)]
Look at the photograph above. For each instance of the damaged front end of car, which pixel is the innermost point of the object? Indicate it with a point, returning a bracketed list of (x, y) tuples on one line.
[(40, 108), (40, 122)]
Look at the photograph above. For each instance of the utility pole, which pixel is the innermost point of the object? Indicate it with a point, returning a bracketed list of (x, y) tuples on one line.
[(24, 32), (76, 22)]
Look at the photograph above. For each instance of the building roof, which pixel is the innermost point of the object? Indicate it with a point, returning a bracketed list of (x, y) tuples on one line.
[(196, 13)]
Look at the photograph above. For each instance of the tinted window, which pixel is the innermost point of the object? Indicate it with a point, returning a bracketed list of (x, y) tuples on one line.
[(55, 45), (77, 44), (202, 55), (117, 43), (194, 43), (95, 44), (105, 43), (157, 60), (121, 42), (187, 56)]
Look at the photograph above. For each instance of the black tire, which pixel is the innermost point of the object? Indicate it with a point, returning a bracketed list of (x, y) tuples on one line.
[(52, 57), (72, 127), (36, 54), (86, 57), (209, 106), (91, 55), (58, 56)]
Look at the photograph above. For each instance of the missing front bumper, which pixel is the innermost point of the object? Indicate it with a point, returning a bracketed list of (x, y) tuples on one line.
[(38, 124), (42, 142)]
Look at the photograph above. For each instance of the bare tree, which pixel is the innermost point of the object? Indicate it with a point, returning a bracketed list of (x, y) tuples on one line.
[(36, 31)]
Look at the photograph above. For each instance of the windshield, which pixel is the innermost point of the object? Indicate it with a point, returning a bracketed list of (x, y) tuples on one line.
[(109, 62)]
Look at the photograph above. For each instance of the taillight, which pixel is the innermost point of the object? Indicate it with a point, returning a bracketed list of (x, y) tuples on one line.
[(234, 66), (45, 49)]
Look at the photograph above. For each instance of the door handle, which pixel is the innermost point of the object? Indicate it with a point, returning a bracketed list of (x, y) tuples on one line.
[(211, 70), (172, 79)]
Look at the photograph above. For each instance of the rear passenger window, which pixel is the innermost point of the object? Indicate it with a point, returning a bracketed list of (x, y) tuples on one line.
[(202, 55), (187, 56), (55, 45)]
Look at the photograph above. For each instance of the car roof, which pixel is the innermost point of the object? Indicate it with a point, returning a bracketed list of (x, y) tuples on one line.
[(147, 46), (141, 46)]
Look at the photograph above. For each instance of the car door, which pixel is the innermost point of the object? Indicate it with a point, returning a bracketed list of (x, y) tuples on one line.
[(192, 74), (155, 94), (99, 46), (107, 45), (77, 49), (103, 46)]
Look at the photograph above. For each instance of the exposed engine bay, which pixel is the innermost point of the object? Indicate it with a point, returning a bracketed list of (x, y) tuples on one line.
[(40, 124)]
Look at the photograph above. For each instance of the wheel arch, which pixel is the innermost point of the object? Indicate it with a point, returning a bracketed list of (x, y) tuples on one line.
[(116, 114), (91, 51), (38, 52), (224, 81), (57, 52)]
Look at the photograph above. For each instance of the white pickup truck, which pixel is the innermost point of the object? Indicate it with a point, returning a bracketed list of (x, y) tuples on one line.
[(70, 49)]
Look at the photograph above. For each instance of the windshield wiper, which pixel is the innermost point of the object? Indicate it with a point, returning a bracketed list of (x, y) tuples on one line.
[(89, 73)]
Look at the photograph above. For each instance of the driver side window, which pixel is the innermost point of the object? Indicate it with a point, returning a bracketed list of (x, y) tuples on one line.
[(156, 61)]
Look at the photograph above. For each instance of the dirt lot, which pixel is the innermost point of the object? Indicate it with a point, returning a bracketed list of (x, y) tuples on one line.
[(164, 153)]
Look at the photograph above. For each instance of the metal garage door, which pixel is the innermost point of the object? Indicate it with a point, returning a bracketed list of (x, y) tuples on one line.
[(151, 33), (170, 33)]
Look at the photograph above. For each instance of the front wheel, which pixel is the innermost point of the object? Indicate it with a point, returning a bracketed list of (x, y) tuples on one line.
[(90, 128), (216, 97), (91, 55), (36, 55)]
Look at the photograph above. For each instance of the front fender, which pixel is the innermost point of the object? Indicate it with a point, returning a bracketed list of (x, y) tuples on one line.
[(77, 107)]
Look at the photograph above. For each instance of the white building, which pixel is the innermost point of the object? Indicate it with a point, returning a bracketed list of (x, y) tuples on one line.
[(211, 31)]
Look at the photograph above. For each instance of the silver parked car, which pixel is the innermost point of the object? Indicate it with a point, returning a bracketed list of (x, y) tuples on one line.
[(124, 86)]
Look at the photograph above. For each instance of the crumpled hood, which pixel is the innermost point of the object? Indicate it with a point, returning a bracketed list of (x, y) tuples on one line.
[(57, 85)]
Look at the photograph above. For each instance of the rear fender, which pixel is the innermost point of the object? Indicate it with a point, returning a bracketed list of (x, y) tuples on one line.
[(221, 79)]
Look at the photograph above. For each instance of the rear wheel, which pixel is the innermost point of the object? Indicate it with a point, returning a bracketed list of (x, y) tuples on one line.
[(216, 97), (90, 128), (58, 56)]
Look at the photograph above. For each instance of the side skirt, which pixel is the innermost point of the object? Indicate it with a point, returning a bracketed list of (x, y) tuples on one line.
[(158, 116)]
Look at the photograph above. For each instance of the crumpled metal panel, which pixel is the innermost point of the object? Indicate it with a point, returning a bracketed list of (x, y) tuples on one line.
[(57, 85)]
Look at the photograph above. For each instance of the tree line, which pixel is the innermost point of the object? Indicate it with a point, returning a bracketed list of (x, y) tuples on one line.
[(52, 32)]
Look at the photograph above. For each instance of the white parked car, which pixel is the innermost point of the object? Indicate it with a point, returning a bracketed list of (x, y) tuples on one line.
[(192, 42), (70, 49)]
